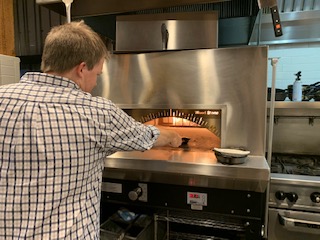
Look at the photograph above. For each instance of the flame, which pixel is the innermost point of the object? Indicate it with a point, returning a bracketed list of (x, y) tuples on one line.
[(173, 121), (176, 121)]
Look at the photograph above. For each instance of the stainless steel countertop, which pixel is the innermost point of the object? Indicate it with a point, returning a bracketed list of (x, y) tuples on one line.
[(190, 168)]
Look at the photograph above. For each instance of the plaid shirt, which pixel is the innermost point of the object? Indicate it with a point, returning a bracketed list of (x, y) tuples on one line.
[(53, 142)]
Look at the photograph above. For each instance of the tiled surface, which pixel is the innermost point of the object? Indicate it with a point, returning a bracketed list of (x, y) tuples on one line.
[(294, 58)]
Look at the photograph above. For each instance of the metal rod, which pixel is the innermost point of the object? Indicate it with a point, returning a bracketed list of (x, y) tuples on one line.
[(259, 27), (293, 116), (274, 62)]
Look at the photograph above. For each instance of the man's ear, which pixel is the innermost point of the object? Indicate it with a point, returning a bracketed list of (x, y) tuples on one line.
[(80, 69)]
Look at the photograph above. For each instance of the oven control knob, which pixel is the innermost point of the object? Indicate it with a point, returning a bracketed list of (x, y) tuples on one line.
[(315, 197), (280, 195), (135, 193), (292, 197)]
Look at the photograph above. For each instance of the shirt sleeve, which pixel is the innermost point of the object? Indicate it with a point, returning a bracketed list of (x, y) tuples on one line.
[(127, 134)]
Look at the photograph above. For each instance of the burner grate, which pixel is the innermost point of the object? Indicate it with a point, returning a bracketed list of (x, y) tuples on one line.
[(296, 164)]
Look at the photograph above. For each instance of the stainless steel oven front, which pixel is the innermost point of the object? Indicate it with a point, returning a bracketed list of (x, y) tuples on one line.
[(207, 95), (187, 192)]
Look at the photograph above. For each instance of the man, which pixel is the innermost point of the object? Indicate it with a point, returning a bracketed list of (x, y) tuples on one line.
[(54, 137)]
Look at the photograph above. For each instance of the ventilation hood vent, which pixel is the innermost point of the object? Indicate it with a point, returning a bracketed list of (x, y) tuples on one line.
[(300, 23), (85, 8)]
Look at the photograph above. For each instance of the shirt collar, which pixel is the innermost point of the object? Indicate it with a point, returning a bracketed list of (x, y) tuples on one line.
[(44, 78)]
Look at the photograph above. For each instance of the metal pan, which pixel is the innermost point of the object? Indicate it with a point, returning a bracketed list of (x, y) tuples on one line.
[(231, 158)]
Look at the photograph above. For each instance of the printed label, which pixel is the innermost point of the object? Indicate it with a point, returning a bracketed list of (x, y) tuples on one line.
[(197, 199), (111, 187)]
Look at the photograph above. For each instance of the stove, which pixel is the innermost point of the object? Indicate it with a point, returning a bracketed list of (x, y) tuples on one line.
[(294, 197), (295, 182)]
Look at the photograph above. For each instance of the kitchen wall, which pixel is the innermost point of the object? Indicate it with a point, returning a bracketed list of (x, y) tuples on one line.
[(32, 22), (304, 57)]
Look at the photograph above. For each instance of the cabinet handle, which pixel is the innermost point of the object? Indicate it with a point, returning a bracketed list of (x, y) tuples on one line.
[(299, 225)]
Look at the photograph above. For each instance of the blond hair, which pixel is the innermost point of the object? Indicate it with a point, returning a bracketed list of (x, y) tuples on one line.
[(69, 44)]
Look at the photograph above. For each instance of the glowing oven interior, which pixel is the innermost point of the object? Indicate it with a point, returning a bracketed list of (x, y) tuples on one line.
[(201, 128)]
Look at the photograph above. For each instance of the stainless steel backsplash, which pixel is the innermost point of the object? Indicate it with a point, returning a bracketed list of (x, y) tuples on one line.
[(232, 79), (296, 128)]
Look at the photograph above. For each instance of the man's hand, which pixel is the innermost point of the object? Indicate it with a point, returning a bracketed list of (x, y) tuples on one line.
[(168, 138)]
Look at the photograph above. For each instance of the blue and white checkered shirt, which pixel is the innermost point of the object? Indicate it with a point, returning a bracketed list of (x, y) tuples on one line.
[(53, 142)]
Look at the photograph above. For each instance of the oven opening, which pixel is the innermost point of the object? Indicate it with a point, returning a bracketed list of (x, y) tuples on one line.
[(200, 129)]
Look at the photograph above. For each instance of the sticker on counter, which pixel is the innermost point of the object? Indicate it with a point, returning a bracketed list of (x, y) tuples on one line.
[(197, 200), (111, 187)]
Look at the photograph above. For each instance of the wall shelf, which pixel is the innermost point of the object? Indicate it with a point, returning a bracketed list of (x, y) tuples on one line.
[(295, 105)]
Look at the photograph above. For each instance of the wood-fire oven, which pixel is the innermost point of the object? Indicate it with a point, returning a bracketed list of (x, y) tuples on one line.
[(212, 98)]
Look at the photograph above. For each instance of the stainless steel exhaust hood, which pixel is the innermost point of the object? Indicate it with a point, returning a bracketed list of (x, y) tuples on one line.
[(167, 31), (299, 18), (300, 23)]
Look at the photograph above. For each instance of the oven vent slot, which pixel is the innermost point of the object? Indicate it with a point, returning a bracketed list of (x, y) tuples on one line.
[(226, 9)]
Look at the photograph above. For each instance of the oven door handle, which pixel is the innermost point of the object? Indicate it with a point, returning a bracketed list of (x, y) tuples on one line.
[(299, 225)]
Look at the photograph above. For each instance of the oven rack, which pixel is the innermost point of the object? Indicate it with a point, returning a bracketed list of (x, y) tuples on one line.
[(201, 220), (189, 236)]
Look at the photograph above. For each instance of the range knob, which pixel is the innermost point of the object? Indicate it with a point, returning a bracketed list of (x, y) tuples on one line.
[(315, 197), (135, 193), (280, 195), (292, 197)]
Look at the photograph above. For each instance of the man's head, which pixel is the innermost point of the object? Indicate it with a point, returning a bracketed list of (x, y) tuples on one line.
[(75, 51)]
